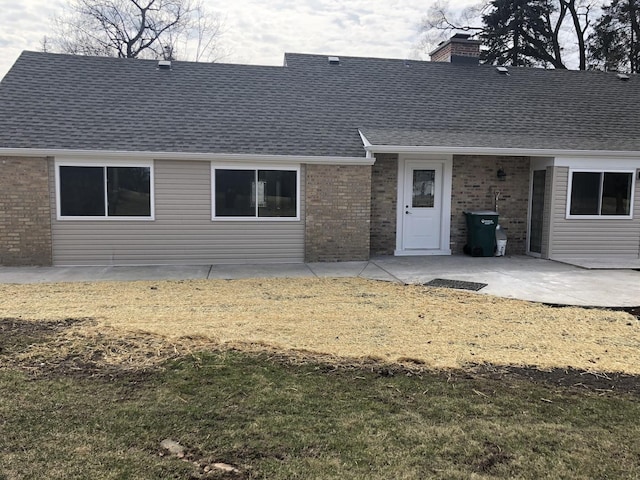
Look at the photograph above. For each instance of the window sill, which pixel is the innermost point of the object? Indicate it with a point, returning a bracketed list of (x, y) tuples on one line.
[(105, 219)]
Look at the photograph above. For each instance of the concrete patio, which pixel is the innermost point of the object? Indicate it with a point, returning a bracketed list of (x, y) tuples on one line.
[(520, 277)]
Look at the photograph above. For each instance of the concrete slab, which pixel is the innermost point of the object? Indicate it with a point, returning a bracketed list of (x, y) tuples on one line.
[(337, 269), (286, 270), (524, 278), (374, 272), (96, 274), (603, 263)]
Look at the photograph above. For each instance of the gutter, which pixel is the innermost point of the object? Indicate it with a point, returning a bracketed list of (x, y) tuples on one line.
[(524, 152), (215, 157)]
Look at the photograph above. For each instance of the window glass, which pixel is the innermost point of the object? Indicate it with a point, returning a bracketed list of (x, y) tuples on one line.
[(235, 193), (256, 193), (601, 193), (616, 194), (129, 191), (423, 185), (277, 193), (585, 193), (82, 191)]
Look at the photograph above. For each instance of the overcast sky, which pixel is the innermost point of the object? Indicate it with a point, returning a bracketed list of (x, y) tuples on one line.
[(260, 31)]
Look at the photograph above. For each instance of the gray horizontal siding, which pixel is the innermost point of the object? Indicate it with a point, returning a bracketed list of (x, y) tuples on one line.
[(182, 232), (591, 238)]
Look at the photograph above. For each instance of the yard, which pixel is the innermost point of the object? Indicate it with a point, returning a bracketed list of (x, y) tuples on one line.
[(311, 378)]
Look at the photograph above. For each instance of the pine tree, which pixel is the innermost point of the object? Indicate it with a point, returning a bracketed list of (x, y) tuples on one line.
[(615, 41), (520, 33)]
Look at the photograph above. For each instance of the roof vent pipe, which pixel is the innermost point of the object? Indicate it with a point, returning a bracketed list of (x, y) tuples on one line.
[(164, 65), (334, 60)]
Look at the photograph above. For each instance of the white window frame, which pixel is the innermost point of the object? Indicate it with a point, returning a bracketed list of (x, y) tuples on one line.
[(568, 214), (255, 167), (105, 163)]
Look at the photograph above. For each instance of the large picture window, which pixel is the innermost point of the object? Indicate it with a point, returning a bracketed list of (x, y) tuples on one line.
[(255, 193), (92, 191), (601, 194)]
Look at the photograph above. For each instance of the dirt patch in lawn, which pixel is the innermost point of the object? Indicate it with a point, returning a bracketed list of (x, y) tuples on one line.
[(342, 318)]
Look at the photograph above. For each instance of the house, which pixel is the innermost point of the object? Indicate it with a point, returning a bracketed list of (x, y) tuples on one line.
[(109, 161)]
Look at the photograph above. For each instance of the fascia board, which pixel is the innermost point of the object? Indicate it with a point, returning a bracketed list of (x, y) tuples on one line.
[(527, 152), (214, 157)]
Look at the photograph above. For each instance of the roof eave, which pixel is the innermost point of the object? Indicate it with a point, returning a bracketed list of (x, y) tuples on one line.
[(218, 157), (520, 152)]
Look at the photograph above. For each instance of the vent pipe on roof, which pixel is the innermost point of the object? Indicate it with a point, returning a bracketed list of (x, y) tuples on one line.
[(164, 65), (334, 60)]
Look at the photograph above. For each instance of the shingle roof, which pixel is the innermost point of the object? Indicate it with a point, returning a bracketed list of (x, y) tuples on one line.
[(309, 107)]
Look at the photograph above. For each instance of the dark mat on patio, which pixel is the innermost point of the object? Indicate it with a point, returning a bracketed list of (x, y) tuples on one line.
[(459, 284)]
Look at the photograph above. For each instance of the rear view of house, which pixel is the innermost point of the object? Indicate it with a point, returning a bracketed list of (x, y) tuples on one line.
[(107, 161)]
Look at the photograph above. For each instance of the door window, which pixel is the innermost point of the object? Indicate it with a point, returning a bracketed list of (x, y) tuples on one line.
[(423, 188)]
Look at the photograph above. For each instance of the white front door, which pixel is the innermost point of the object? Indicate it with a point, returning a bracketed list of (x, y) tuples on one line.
[(422, 206)]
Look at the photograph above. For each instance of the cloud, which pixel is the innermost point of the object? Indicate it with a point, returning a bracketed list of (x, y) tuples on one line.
[(22, 27), (346, 27), (259, 32)]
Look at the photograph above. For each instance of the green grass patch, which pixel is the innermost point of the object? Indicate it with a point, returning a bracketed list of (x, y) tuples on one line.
[(275, 419)]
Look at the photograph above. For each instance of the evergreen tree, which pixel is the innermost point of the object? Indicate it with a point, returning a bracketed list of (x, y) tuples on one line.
[(520, 33), (615, 41)]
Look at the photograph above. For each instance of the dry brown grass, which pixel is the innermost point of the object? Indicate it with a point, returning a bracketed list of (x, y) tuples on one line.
[(438, 328)]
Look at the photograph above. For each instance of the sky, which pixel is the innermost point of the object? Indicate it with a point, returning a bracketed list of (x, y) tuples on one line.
[(260, 31)]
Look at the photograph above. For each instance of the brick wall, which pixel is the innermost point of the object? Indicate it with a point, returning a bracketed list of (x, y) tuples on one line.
[(25, 212), (456, 47), (384, 191), (475, 184), (338, 213)]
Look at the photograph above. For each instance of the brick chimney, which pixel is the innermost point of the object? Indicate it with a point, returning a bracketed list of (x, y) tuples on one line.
[(458, 49)]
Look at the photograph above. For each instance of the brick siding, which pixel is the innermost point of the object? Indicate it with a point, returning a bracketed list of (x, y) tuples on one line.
[(338, 213), (25, 211), (456, 47), (384, 200), (475, 184)]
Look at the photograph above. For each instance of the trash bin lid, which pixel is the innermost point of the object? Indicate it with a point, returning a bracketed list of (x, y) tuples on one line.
[(482, 212)]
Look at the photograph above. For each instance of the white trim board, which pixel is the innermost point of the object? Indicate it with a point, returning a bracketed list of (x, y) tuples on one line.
[(70, 154), (501, 151), (104, 164), (248, 167)]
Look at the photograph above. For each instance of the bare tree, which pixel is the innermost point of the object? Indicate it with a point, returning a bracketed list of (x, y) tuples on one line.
[(579, 12), (441, 20), (137, 28), (197, 39)]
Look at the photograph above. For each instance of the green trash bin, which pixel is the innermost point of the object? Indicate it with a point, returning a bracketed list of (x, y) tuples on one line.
[(481, 233)]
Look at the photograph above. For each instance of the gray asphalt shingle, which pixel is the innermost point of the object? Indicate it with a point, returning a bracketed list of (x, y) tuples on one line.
[(309, 107)]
